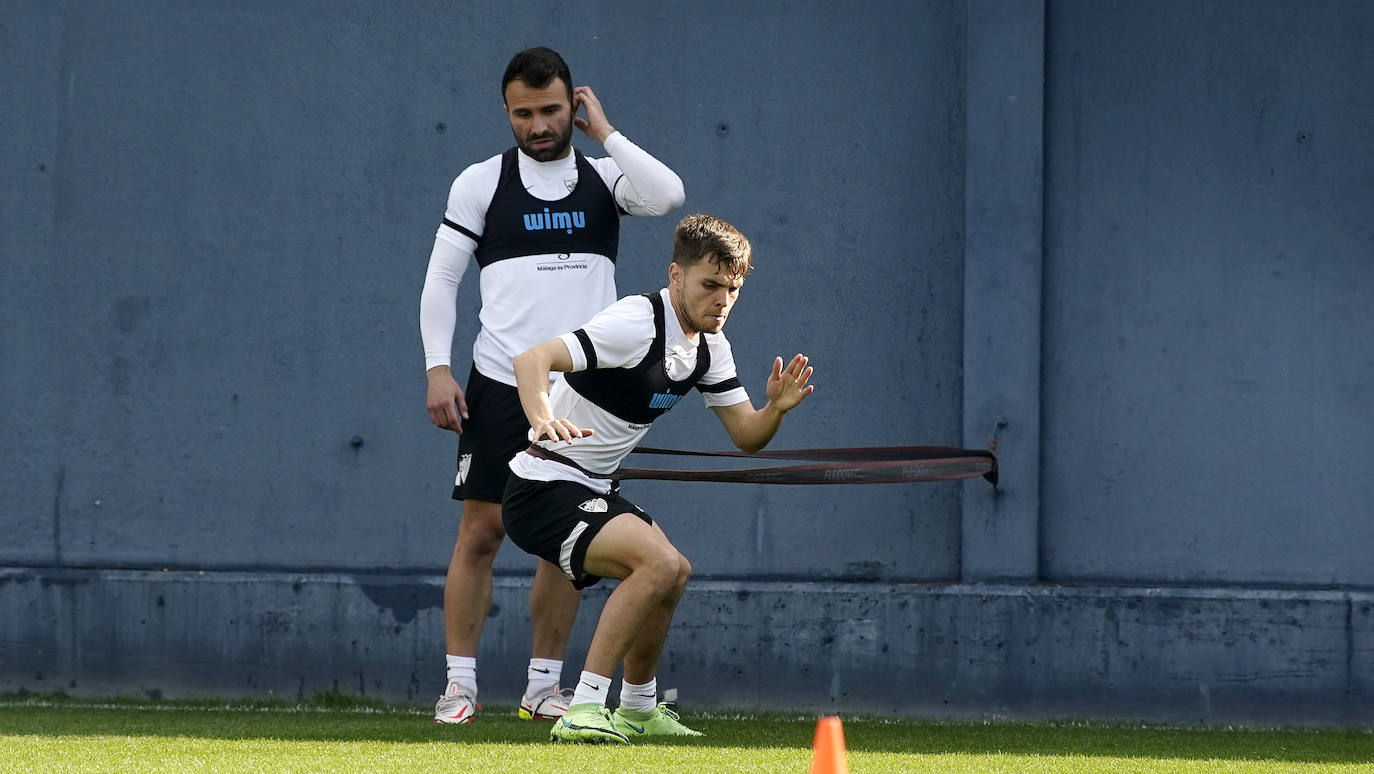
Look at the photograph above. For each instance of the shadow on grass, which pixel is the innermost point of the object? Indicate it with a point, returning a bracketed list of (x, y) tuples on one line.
[(346, 719)]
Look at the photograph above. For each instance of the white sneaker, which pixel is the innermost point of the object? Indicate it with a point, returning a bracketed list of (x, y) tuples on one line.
[(549, 705), (455, 706)]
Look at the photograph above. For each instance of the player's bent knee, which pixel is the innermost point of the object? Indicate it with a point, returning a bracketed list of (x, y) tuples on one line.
[(663, 569), (684, 571)]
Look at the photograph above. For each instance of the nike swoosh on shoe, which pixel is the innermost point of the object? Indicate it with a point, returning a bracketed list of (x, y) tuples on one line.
[(465, 712)]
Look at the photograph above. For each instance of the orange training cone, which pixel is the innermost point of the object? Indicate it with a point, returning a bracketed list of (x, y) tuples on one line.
[(827, 757)]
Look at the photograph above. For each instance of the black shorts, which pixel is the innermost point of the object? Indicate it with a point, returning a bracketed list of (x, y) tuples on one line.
[(556, 521), (496, 430)]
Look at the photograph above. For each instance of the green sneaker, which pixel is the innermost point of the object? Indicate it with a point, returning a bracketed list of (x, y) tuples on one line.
[(586, 722), (659, 721)]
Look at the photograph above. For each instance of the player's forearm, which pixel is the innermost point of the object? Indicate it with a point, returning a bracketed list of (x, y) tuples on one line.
[(438, 313), (758, 428), (653, 188), (438, 317), (532, 371)]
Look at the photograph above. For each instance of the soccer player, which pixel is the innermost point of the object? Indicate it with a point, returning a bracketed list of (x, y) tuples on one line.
[(542, 222), (625, 367)]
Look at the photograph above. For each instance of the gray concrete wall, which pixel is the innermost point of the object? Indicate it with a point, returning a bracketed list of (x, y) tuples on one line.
[(227, 212), (1132, 240), (1208, 281), (943, 651)]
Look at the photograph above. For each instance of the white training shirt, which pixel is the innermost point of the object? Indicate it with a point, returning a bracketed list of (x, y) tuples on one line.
[(621, 336), (522, 304)]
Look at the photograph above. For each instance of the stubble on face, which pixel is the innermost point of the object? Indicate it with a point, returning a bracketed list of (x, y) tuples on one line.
[(540, 118), (695, 297)]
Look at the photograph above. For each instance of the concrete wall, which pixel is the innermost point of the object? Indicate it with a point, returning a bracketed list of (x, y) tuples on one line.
[(1208, 277), (1132, 240), (959, 651), (228, 209)]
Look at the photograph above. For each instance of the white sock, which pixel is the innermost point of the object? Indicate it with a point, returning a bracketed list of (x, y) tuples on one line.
[(592, 688), (543, 675), (639, 698), (463, 671)]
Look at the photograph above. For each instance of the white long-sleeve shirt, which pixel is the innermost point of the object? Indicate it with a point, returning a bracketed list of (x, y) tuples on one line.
[(522, 304)]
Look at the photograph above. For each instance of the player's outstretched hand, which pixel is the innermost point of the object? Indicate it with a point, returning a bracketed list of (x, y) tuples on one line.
[(789, 386), (559, 430), (595, 124)]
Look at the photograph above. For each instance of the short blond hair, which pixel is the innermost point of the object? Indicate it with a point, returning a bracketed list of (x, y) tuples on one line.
[(703, 236)]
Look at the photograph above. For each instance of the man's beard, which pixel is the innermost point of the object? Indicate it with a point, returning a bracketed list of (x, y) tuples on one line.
[(696, 324), (559, 147)]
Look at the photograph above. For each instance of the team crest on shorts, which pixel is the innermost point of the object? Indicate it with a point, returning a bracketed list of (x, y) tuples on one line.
[(594, 505), (464, 462)]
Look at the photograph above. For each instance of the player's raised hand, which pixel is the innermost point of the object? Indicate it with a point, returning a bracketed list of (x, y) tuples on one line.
[(595, 124), (789, 386)]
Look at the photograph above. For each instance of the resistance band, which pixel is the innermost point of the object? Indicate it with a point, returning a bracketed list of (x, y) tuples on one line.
[(875, 465)]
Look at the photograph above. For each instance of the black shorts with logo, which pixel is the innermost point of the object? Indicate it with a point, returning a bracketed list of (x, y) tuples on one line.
[(556, 521), (496, 430)]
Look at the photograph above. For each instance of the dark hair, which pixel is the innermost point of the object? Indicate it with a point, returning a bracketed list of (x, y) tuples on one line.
[(703, 236), (536, 67)]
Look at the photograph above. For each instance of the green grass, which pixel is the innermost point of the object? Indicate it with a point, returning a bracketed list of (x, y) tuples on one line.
[(44, 734)]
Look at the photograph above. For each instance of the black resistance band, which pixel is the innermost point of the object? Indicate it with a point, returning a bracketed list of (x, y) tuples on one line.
[(875, 465)]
